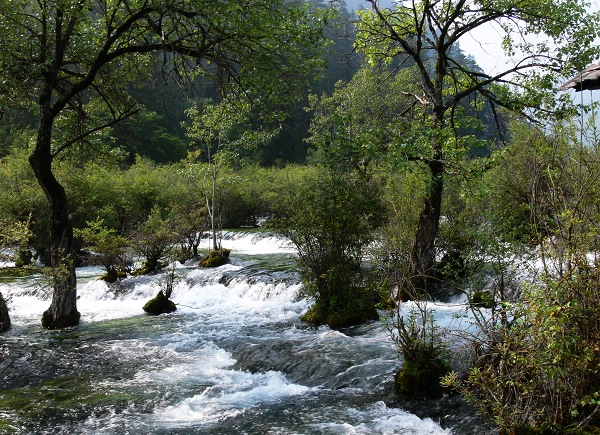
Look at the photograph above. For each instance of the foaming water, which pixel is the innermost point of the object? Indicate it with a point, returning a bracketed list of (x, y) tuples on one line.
[(233, 358), (235, 392), (257, 243), (377, 418)]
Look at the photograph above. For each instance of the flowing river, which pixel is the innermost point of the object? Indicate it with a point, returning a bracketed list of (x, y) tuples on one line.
[(233, 359)]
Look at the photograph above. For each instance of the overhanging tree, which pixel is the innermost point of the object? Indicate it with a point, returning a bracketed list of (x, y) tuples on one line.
[(544, 38), (73, 60)]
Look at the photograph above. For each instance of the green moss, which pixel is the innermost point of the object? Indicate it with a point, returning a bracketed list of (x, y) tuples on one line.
[(421, 378), (160, 304), (60, 395), (215, 258), (318, 315), (148, 267)]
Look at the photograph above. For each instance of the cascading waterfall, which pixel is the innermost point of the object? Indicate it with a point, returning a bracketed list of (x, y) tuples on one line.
[(234, 358)]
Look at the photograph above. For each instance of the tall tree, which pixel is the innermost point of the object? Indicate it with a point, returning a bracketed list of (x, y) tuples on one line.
[(220, 131), (73, 60), (544, 38)]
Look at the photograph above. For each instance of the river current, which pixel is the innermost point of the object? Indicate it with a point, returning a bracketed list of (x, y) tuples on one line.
[(233, 358)]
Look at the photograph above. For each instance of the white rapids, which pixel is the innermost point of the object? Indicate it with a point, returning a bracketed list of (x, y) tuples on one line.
[(233, 358)]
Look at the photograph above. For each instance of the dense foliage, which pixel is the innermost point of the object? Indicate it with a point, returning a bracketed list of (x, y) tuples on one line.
[(536, 362), (331, 220), (422, 176)]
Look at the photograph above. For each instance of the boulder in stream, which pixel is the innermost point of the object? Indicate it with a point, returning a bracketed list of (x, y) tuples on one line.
[(160, 304), (421, 377), (215, 258), (4, 317), (318, 315)]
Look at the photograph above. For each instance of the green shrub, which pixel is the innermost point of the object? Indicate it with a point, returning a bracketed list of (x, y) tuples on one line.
[(153, 240), (419, 341), (330, 220), (541, 371), (537, 368), (109, 248), (483, 299)]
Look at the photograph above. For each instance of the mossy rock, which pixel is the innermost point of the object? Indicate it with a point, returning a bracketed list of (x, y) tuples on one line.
[(4, 317), (160, 304), (141, 271), (483, 299), (318, 315), (348, 318), (148, 268), (215, 258), (421, 378), (113, 276)]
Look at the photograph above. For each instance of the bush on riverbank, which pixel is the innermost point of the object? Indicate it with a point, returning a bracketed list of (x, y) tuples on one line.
[(536, 362)]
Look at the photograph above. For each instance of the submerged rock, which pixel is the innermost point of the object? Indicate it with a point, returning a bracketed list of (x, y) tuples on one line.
[(4, 317), (160, 304)]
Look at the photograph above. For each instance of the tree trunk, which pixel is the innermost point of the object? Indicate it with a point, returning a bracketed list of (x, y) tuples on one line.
[(4, 317), (63, 309), (213, 210), (423, 250)]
